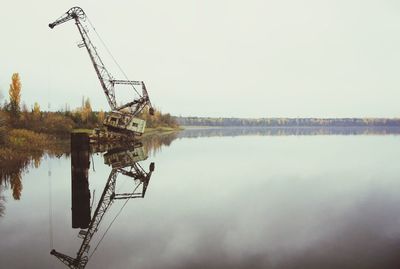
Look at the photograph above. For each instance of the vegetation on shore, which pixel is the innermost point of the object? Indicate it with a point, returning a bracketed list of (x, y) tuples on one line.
[(27, 130)]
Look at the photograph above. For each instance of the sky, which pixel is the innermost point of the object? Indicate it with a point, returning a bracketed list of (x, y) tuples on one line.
[(287, 58)]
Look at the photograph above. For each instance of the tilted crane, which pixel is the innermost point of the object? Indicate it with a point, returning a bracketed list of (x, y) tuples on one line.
[(122, 119), (122, 162)]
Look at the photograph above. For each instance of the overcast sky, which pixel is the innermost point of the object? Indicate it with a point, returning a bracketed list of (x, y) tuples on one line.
[(312, 58)]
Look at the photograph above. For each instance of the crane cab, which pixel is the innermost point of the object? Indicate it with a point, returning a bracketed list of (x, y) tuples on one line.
[(122, 157), (124, 122)]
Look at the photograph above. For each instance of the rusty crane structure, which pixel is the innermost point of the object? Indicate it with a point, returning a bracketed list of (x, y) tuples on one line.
[(122, 121)]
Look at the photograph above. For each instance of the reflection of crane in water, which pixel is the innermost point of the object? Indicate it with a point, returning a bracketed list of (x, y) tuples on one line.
[(122, 162)]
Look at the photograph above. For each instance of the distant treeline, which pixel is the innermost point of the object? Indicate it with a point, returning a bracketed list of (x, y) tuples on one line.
[(287, 122)]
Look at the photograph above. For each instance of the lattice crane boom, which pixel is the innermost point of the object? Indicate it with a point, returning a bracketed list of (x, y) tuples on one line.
[(106, 79)]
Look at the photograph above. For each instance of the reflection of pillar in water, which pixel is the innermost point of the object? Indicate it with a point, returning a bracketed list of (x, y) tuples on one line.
[(80, 180)]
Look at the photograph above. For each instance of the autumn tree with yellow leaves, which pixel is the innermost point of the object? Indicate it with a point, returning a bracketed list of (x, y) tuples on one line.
[(15, 95)]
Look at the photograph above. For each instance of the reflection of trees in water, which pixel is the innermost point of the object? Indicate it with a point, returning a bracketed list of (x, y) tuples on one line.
[(12, 170), (16, 185), (152, 144), (11, 174), (2, 200), (286, 131)]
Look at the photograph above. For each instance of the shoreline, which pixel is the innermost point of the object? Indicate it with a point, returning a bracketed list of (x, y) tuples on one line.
[(23, 145)]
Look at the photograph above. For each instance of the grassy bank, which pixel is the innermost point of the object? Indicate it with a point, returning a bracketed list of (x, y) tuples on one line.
[(161, 130), (31, 131), (20, 145)]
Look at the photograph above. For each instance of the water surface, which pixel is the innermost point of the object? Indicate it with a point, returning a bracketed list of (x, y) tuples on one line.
[(254, 201)]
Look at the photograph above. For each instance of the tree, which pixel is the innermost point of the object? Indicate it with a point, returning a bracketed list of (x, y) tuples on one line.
[(15, 95), (36, 111), (3, 133), (101, 116), (1, 97), (86, 110), (87, 105), (24, 117)]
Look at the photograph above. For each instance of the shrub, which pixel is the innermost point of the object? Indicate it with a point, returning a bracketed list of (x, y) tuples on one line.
[(54, 123)]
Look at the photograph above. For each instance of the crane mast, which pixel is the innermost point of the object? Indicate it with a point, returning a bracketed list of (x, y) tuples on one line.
[(119, 120)]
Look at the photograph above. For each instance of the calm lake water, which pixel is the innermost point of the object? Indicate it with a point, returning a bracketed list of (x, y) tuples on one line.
[(252, 200)]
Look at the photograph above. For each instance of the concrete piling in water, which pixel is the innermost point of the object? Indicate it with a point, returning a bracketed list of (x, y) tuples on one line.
[(80, 163)]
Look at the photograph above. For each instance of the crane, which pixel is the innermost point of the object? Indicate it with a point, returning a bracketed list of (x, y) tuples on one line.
[(119, 161), (123, 119)]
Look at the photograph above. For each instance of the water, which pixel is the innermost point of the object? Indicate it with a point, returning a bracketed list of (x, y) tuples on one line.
[(253, 201)]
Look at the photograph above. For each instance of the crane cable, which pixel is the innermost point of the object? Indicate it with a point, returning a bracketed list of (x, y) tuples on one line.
[(116, 216), (109, 52), (50, 207)]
